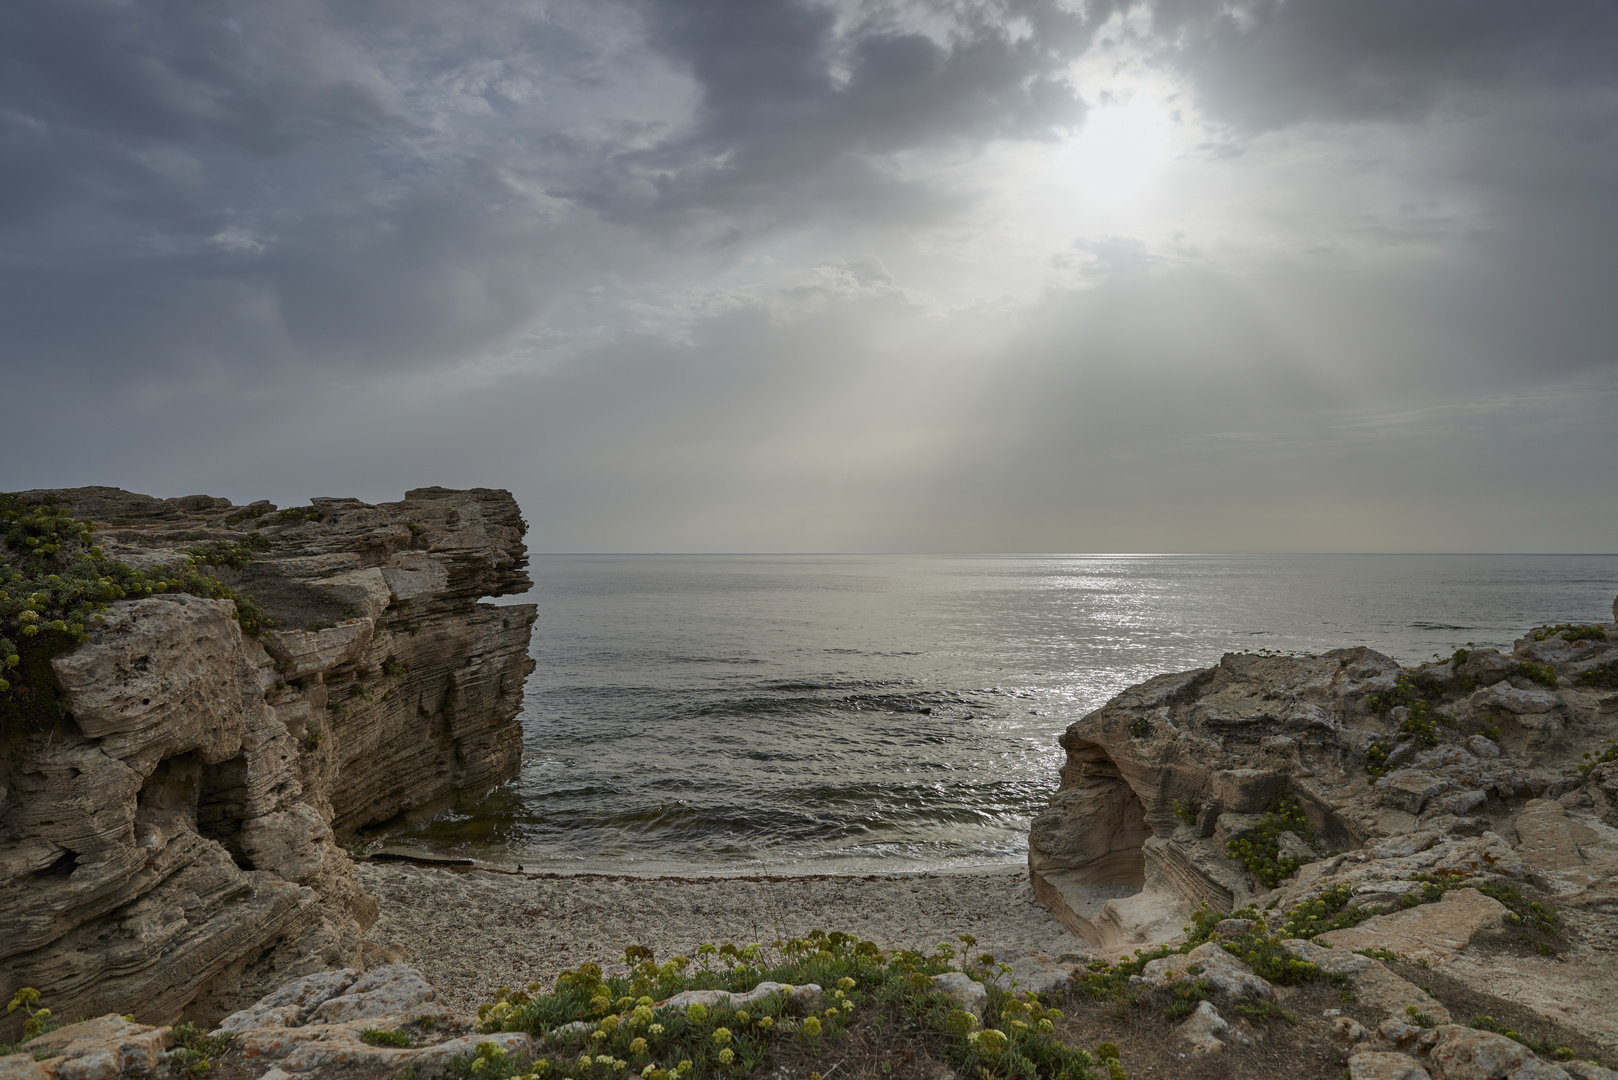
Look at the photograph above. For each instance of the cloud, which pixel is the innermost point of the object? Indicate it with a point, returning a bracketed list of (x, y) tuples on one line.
[(990, 274), (1267, 63)]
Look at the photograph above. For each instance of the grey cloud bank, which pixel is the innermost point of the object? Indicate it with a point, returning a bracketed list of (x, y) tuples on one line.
[(829, 276)]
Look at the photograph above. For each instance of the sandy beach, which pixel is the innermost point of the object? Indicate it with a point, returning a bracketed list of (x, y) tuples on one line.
[(470, 930)]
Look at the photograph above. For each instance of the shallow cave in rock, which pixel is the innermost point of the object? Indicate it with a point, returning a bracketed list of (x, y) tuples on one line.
[(185, 793), (1087, 848)]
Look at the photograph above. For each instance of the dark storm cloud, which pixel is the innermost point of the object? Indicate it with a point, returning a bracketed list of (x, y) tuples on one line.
[(796, 109), (658, 266), (234, 187), (1268, 63)]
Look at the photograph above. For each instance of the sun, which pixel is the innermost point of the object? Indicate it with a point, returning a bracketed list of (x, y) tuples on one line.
[(1123, 150)]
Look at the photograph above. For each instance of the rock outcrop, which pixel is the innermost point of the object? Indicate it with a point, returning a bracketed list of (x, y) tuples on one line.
[(171, 845), (1160, 782)]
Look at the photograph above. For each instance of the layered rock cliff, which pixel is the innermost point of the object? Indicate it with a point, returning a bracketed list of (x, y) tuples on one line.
[(1170, 780), (170, 837)]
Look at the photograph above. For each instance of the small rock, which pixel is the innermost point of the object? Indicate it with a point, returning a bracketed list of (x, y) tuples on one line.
[(1375, 1065), (1587, 1070), (1293, 846), (1203, 1030), (972, 995), (1409, 789), (1397, 1033), (1483, 746), (1231, 928), (1349, 1031)]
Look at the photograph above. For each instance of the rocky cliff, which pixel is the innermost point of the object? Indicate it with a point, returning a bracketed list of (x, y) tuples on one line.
[(1225, 784), (169, 843)]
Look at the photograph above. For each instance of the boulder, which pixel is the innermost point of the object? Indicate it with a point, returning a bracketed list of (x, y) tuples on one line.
[(105, 1048), (1463, 1053), (971, 994), (1209, 961)]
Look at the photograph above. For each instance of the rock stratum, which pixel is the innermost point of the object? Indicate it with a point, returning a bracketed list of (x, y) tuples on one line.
[(170, 845), (1267, 782)]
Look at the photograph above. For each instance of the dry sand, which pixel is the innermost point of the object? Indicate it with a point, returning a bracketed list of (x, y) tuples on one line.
[(470, 930)]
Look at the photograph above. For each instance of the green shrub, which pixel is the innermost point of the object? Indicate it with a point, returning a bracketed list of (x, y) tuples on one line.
[(1376, 758), (625, 1031), (1540, 673), (195, 1049), (55, 586), (1260, 850), (1605, 675), (1592, 760), (1571, 632)]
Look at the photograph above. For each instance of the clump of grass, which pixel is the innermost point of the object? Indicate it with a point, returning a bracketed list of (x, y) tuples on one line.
[(1186, 811), (379, 1037)]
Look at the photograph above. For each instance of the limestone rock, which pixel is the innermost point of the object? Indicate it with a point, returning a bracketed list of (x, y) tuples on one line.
[(1205, 1030), (1214, 747), (1373, 983), (807, 997), (1210, 961), (1435, 932), (385, 991), (1462, 1053), (1378, 1065), (101, 1049), (1585, 1070), (971, 994), (171, 846), (292, 1005), (301, 653)]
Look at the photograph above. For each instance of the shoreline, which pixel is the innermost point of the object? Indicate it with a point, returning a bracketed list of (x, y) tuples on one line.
[(471, 930)]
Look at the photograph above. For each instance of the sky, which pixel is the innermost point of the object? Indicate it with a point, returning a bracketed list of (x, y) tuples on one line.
[(828, 275)]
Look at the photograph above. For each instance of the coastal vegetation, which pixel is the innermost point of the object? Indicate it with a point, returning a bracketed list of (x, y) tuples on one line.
[(609, 1027), (55, 585)]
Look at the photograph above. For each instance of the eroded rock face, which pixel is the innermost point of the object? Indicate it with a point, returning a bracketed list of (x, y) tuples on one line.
[(1160, 780), (171, 846)]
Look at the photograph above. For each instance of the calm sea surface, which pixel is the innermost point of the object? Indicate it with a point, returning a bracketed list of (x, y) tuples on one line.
[(858, 713)]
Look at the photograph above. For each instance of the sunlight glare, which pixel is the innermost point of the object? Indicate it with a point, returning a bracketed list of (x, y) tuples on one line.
[(1122, 149)]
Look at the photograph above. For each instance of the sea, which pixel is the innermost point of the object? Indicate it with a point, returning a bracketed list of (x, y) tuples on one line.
[(793, 714)]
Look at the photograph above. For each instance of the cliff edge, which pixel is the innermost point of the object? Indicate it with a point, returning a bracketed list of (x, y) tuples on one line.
[(174, 789)]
